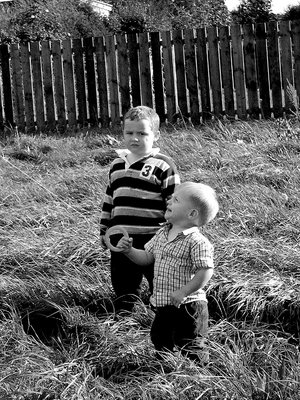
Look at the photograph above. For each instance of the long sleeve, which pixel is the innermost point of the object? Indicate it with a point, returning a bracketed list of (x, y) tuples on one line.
[(106, 210)]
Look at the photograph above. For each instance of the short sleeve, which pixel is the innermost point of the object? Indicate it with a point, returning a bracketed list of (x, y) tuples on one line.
[(202, 254)]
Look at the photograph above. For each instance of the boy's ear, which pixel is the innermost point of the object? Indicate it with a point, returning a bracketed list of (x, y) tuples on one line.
[(194, 213), (157, 136)]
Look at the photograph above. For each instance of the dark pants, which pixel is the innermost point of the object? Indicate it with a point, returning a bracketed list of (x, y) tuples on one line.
[(126, 276), (185, 327)]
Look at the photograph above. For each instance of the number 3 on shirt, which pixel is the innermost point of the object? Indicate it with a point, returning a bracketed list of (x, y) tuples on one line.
[(147, 170)]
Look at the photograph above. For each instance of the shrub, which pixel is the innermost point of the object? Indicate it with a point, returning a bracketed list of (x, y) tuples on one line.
[(49, 19)]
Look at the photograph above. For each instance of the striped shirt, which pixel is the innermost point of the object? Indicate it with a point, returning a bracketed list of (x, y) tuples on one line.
[(136, 194), (177, 261)]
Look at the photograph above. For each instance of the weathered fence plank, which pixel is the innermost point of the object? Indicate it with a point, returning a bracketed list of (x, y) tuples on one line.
[(214, 70), (274, 68), (17, 86), (295, 30), (262, 70), (48, 86), (250, 71), (1, 114), (123, 67), (226, 69), (80, 87), (134, 69), (58, 85), (146, 80), (91, 80), (6, 84), (102, 79), (180, 74), (27, 86), (37, 85), (286, 60), (169, 76), (69, 83), (203, 76), (191, 76), (112, 80), (157, 75), (238, 71)]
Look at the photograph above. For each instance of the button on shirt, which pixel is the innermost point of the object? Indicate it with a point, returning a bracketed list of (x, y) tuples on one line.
[(177, 261)]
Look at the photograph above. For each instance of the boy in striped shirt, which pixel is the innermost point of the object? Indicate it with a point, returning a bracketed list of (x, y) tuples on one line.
[(184, 264), (141, 180)]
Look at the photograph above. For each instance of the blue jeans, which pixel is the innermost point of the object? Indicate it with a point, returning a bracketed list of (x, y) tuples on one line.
[(185, 327)]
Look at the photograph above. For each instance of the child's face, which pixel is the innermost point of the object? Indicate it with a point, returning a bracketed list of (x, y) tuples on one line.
[(139, 137), (179, 206)]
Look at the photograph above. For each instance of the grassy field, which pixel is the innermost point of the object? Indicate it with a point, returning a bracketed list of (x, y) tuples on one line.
[(58, 335)]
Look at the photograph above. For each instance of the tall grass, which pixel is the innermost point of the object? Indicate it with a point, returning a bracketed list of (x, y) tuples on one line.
[(59, 335)]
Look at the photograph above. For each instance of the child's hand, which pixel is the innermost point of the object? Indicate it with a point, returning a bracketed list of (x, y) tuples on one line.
[(125, 244), (177, 298)]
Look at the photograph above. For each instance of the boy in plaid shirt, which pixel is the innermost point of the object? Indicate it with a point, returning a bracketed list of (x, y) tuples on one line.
[(183, 264)]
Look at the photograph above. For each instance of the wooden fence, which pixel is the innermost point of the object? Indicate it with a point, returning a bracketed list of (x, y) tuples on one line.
[(234, 71)]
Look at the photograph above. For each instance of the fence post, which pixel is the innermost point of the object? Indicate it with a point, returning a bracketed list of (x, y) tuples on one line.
[(80, 87), (203, 76), (285, 44), (102, 81), (180, 73), (295, 28), (58, 85), (6, 85), (17, 86), (157, 75), (146, 81), (250, 71), (226, 71), (112, 80), (123, 68), (91, 80), (69, 83), (214, 70), (169, 76), (134, 69), (191, 75), (48, 84), (238, 71), (262, 70), (274, 68)]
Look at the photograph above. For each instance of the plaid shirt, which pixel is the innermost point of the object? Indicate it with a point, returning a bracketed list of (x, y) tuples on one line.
[(177, 261)]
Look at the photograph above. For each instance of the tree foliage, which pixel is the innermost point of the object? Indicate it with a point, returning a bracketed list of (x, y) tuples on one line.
[(159, 15), (49, 19), (56, 19), (252, 11), (292, 12)]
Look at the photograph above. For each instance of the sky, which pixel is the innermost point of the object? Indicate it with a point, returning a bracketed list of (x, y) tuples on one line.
[(278, 6)]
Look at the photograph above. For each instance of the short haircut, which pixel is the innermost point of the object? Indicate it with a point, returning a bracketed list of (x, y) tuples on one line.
[(143, 112), (204, 199)]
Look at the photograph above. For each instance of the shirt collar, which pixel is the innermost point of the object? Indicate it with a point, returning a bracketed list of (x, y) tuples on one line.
[(186, 232), (190, 230), (122, 153)]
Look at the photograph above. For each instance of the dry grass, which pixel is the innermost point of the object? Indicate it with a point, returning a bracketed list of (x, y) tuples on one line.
[(55, 283)]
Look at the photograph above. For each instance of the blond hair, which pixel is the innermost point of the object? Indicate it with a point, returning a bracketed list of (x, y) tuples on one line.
[(204, 199), (144, 112)]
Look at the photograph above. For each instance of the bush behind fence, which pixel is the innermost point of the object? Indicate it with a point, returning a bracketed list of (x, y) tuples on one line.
[(234, 71)]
